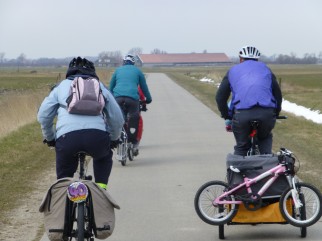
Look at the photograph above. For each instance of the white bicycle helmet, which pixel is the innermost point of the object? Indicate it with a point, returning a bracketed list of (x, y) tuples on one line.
[(249, 52), (129, 58)]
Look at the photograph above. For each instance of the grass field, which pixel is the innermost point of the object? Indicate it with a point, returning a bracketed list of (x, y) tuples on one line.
[(23, 158)]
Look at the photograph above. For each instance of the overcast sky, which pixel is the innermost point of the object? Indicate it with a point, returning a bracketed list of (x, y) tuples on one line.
[(64, 28)]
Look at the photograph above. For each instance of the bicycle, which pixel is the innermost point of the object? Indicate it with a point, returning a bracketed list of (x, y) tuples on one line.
[(125, 149), (80, 223), (217, 203)]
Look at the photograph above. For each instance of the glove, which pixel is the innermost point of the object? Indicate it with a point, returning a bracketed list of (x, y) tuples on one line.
[(51, 143), (143, 108), (228, 124), (148, 101), (113, 144)]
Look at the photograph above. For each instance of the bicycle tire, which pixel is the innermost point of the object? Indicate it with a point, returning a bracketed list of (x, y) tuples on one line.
[(130, 153), (121, 153), (311, 206), (207, 211), (80, 222)]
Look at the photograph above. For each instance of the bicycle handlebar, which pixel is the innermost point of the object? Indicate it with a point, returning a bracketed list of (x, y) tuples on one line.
[(281, 117)]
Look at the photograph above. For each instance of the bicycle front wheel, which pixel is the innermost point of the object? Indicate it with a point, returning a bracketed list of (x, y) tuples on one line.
[(80, 222), (208, 211), (309, 213)]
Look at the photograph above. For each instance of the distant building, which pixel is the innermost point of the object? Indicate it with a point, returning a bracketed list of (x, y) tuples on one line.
[(107, 62), (193, 59)]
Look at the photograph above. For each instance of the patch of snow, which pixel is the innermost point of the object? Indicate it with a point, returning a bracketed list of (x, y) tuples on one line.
[(298, 110), (204, 79)]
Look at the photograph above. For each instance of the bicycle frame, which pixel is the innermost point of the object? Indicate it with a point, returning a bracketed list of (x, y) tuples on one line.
[(275, 171), (78, 194)]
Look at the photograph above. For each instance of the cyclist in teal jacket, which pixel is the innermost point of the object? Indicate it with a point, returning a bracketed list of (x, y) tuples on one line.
[(124, 86)]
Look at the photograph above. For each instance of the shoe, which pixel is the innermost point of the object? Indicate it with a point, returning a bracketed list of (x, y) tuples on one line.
[(135, 151)]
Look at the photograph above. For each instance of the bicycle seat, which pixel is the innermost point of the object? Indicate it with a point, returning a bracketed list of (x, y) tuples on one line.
[(82, 153), (255, 123)]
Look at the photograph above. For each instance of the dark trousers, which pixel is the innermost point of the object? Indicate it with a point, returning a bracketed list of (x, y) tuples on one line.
[(95, 143), (241, 128), (131, 110)]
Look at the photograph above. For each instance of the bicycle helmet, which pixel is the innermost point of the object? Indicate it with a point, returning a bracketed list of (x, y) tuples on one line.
[(249, 52), (81, 66), (129, 59)]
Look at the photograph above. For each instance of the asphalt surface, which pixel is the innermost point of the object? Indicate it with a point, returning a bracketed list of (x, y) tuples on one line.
[(184, 145)]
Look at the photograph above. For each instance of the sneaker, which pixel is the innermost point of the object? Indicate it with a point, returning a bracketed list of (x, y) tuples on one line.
[(135, 151)]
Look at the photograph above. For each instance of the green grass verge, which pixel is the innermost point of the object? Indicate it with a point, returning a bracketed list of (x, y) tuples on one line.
[(23, 158)]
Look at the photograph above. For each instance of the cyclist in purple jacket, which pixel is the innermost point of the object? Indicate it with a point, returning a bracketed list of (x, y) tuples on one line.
[(255, 94)]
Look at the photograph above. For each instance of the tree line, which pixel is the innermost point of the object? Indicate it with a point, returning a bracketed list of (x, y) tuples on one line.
[(114, 58)]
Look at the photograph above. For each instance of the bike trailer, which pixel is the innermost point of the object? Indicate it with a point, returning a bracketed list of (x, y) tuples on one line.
[(264, 162), (56, 208), (267, 214)]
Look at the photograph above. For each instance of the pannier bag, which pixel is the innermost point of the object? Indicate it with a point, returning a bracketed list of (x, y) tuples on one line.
[(85, 97), (266, 162), (56, 207)]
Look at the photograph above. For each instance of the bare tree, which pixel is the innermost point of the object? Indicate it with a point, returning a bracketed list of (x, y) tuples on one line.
[(135, 51), (110, 57), (2, 54), (158, 51), (21, 60)]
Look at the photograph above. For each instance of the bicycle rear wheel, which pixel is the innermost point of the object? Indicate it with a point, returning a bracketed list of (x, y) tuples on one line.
[(309, 213), (80, 222), (130, 152), (207, 210)]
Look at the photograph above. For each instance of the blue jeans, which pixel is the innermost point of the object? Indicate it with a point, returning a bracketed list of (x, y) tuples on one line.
[(95, 143)]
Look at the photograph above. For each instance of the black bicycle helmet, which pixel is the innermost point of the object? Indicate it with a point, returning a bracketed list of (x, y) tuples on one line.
[(81, 66)]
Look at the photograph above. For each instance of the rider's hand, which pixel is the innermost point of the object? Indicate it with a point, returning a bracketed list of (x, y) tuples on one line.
[(143, 107), (113, 144), (228, 124), (148, 101), (51, 143)]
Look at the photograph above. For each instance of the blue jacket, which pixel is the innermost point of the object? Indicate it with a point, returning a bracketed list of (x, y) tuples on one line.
[(54, 105), (125, 82), (251, 85)]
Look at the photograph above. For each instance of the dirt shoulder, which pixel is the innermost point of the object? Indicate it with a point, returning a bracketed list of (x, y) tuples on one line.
[(25, 223)]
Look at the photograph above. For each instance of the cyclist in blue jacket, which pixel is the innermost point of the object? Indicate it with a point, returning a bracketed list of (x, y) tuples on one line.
[(75, 132), (124, 86), (255, 94)]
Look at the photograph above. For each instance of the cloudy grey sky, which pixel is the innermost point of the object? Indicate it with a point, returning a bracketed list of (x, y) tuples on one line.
[(64, 28)]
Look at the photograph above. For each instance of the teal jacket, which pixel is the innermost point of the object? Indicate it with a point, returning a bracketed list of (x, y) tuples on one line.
[(125, 82)]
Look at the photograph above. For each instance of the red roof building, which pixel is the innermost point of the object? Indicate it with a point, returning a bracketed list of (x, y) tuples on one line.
[(193, 59)]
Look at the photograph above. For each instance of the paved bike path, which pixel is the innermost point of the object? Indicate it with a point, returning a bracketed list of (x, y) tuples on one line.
[(184, 145)]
